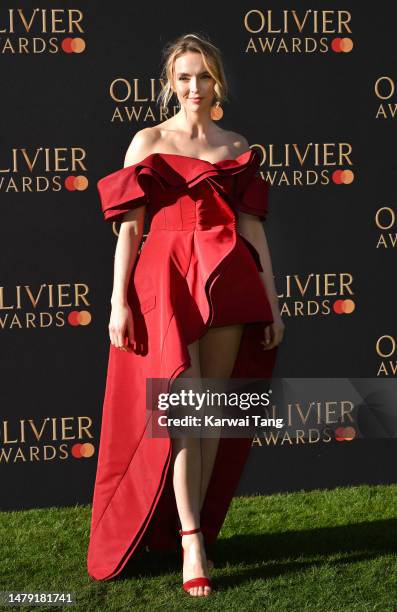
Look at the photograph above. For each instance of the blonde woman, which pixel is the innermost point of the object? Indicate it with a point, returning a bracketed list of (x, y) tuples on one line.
[(198, 301)]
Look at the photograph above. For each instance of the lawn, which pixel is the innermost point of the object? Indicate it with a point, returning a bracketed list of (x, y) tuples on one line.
[(317, 551)]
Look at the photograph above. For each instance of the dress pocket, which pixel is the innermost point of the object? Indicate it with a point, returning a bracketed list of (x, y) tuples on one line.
[(254, 252), (148, 304)]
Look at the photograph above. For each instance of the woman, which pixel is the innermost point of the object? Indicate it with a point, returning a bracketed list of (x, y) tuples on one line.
[(199, 301)]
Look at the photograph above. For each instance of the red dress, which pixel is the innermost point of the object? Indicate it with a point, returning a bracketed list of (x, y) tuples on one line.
[(194, 271)]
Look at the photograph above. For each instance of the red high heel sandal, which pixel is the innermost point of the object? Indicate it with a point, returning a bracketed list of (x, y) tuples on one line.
[(194, 582)]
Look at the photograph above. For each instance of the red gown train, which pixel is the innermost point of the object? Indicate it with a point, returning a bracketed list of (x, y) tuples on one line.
[(194, 271)]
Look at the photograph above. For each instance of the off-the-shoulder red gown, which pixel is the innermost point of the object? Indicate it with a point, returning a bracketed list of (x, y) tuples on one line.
[(194, 271)]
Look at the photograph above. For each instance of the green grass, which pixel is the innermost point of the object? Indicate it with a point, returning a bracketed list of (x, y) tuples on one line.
[(322, 551)]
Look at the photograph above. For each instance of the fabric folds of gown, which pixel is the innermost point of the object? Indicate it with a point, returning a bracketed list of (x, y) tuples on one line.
[(194, 271)]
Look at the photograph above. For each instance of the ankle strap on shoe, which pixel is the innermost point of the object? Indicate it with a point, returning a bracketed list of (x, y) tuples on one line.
[(181, 532)]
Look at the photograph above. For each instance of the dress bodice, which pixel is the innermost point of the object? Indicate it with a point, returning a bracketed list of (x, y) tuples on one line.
[(182, 192)]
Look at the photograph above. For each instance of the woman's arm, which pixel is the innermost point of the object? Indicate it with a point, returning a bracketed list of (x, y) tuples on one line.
[(131, 230), (130, 236), (251, 227)]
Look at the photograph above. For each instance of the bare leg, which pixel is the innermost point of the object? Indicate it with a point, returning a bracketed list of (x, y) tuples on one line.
[(187, 483), (187, 461), (212, 356), (218, 352)]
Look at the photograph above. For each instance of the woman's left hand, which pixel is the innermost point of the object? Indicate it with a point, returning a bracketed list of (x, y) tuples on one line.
[(274, 332)]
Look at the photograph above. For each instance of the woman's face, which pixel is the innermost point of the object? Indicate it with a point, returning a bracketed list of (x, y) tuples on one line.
[(193, 83)]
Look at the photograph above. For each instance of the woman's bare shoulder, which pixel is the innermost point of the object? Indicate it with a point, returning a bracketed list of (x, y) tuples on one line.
[(141, 145), (238, 143)]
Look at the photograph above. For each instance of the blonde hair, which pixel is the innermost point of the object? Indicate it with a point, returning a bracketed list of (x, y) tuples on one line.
[(211, 59)]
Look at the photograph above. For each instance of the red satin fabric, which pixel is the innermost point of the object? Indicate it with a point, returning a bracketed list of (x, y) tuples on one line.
[(194, 271)]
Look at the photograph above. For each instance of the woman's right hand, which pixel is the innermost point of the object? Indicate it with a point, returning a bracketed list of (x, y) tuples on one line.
[(121, 326)]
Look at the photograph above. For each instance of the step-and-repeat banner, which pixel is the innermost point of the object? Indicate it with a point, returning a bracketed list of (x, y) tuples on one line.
[(313, 89)]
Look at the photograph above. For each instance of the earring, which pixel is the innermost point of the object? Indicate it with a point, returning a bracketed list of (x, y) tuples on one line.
[(216, 111)]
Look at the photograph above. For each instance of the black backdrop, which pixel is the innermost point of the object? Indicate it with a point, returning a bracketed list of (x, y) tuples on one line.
[(303, 93)]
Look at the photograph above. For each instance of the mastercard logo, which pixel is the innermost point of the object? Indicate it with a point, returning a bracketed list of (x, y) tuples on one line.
[(342, 45), (73, 45), (79, 451), (344, 434), (76, 183), (343, 306), (343, 177), (76, 317)]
